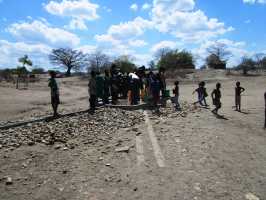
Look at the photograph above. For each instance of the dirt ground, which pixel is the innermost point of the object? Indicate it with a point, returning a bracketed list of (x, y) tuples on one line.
[(190, 155)]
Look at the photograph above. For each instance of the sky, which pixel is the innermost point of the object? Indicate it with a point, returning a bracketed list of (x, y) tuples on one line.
[(124, 27)]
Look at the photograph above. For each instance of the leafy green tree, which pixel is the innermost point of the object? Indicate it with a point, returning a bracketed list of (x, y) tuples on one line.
[(125, 64), (25, 61), (174, 59), (214, 62)]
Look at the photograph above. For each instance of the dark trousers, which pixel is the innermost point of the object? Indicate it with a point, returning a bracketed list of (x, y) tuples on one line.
[(93, 99), (265, 119)]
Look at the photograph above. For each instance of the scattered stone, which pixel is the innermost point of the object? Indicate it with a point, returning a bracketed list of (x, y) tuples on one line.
[(251, 196), (138, 133), (108, 164), (123, 149), (64, 171), (24, 165), (197, 187), (101, 158), (57, 146), (135, 129), (103, 124), (31, 143), (135, 189), (9, 181)]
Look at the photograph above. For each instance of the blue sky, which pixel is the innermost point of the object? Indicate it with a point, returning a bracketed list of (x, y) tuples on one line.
[(124, 27)]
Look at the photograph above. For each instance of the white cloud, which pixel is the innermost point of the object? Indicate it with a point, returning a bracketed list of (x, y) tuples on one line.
[(181, 20), (10, 52), (248, 21), (41, 32), (255, 1), (107, 9), (164, 44), (237, 50), (77, 24), (134, 7), (87, 48), (124, 32), (146, 6), (79, 10), (137, 43)]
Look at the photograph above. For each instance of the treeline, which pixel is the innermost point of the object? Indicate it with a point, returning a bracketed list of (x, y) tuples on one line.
[(170, 59)]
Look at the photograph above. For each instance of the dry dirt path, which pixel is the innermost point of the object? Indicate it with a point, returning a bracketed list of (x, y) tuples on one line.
[(195, 156)]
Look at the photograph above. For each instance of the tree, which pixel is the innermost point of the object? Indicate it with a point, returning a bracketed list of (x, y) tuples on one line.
[(25, 61), (98, 61), (37, 70), (174, 59), (259, 59), (214, 62), (152, 65), (218, 56), (263, 63), (161, 53), (69, 59), (125, 64), (246, 65)]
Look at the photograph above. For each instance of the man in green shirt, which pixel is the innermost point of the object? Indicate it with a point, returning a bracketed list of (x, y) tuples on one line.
[(54, 92)]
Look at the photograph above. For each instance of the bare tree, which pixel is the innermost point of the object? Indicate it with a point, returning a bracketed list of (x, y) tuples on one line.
[(246, 65), (259, 59), (98, 61), (68, 58)]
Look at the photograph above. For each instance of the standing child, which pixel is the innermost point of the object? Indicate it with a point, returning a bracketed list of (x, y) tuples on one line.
[(265, 109), (204, 94), (106, 87), (54, 92), (216, 98), (92, 91), (176, 98), (238, 91)]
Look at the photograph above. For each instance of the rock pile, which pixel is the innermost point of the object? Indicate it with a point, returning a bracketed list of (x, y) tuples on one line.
[(87, 127)]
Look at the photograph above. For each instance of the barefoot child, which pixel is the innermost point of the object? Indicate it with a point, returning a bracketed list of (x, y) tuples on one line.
[(92, 91), (199, 91), (216, 98), (238, 91), (204, 94), (54, 92), (176, 93), (265, 109)]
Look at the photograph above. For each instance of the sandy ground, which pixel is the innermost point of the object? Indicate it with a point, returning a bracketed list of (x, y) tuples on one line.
[(191, 155), (34, 101)]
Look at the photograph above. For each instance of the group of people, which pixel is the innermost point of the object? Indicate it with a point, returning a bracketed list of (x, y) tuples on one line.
[(135, 87), (216, 96), (141, 86)]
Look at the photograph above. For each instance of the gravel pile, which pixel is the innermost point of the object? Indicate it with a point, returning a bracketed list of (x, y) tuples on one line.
[(90, 128)]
